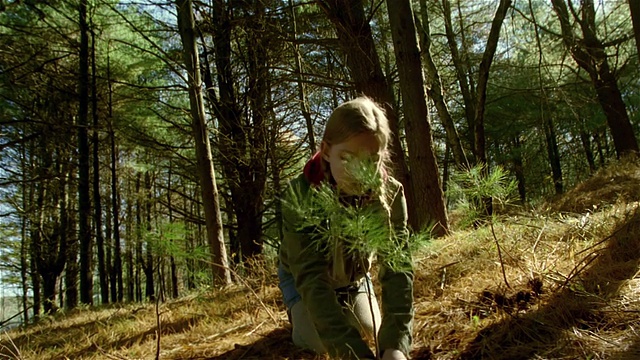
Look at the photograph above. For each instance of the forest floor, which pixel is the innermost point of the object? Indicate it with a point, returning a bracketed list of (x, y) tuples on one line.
[(565, 285)]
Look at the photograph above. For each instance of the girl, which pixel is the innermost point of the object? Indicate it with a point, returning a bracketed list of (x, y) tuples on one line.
[(330, 297)]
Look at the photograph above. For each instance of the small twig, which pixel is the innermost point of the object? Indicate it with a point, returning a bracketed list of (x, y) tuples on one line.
[(223, 333), (159, 330), (504, 274), (255, 329), (535, 245), (578, 269)]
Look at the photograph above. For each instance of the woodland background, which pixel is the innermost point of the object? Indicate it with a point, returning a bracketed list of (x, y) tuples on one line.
[(144, 144)]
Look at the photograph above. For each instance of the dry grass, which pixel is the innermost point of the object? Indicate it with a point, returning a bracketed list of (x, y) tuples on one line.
[(574, 293)]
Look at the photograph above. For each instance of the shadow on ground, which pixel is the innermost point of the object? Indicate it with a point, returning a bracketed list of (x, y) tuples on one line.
[(275, 345), (529, 335)]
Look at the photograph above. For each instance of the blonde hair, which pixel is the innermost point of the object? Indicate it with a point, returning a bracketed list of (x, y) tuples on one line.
[(360, 115), (357, 116)]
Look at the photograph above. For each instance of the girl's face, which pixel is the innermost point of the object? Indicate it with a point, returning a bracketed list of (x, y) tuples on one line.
[(360, 147)]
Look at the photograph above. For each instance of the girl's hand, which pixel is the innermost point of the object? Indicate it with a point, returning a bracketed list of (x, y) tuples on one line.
[(393, 354)]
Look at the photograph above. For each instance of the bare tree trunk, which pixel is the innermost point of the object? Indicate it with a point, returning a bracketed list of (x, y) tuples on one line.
[(129, 249), (172, 262), (461, 71), (186, 25), (428, 198), (518, 168), (116, 274), (589, 53), (483, 80), (138, 240), (97, 213), (24, 247), (547, 122), (434, 90), (553, 152), (634, 8), (585, 139), (71, 269), (253, 182), (302, 96), (84, 200), (148, 263)]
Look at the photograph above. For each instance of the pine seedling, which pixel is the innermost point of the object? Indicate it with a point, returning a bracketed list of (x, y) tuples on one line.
[(355, 225), (472, 186)]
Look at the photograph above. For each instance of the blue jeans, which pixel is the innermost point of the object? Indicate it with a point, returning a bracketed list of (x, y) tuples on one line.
[(291, 296)]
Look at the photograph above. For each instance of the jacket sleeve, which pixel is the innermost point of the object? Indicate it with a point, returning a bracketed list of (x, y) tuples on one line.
[(397, 285), (309, 267)]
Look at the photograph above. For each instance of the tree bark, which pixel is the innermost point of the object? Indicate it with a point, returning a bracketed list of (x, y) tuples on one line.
[(518, 168), (186, 26), (116, 273), (434, 90), (302, 94), (148, 265), (97, 213), (428, 198), (461, 71), (483, 80), (71, 269), (84, 202), (129, 250), (590, 54), (634, 8)]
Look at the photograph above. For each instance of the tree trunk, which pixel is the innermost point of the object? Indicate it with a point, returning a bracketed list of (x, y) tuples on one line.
[(356, 41), (428, 197), (462, 72), (148, 263), (518, 168), (108, 244), (97, 213), (302, 95), (547, 122), (35, 285), (71, 269), (553, 152), (24, 249), (253, 182), (84, 202), (115, 204), (215, 236), (483, 80), (634, 8), (589, 53), (585, 139), (241, 141), (129, 249), (434, 90), (115, 198), (138, 240), (172, 262)]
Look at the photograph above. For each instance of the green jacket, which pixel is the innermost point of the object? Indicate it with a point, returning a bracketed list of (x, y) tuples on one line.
[(316, 278)]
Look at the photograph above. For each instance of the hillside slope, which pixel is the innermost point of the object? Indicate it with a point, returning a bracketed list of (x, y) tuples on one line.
[(567, 287)]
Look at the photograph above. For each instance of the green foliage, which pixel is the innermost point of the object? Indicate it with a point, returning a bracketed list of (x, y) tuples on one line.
[(357, 225), (470, 188)]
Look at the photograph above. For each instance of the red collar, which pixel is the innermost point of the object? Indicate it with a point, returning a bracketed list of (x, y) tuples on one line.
[(313, 171)]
